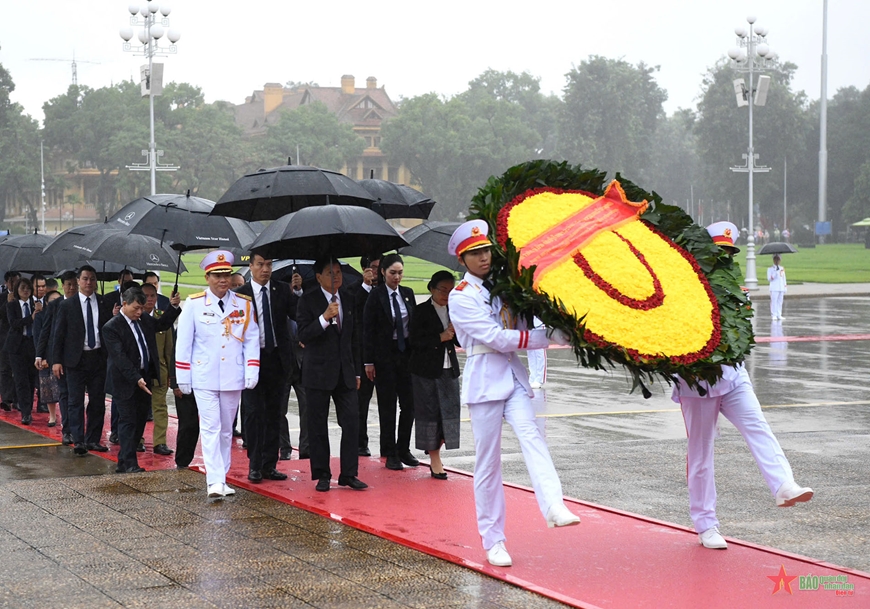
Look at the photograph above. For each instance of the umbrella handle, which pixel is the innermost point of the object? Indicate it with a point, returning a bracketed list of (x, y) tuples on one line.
[(177, 273)]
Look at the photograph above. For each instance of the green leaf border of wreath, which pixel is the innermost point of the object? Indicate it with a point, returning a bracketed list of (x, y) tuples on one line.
[(515, 287)]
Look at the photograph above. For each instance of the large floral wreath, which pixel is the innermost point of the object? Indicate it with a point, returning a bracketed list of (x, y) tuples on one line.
[(631, 280)]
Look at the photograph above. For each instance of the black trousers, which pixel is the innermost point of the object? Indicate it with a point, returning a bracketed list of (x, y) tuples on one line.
[(364, 397), (318, 434), (90, 376), (284, 435), (188, 429), (7, 384), (393, 384), (132, 415), (25, 375), (262, 413), (64, 404)]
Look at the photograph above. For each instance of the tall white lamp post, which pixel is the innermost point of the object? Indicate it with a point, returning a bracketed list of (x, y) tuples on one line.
[(752, 54), (153, 29)]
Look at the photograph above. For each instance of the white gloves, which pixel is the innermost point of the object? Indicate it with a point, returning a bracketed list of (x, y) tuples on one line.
[(185, 388), (250, 383), (559, 337)]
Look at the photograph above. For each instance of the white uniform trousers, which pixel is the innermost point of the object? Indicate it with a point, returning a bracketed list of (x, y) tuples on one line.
[(741, 407), (776, 304), (537, 365), (486, 425), (217, 410)]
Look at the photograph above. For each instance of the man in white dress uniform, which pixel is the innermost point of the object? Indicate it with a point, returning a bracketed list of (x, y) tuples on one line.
[(776, 278), (735, 398), (217, 355), (495, 385)]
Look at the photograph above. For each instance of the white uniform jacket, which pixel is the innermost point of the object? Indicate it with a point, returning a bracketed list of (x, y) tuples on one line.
[(732, 377), (776, 278), (485, 331), (217, 350)]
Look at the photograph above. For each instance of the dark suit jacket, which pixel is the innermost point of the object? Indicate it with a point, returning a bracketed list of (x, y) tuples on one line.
[(17, 323), (68, 333), (49, 314), (378, 323), (427, 351), (330, 357), (282, 302)]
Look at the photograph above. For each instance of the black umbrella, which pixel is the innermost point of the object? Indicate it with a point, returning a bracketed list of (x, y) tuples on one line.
[(268, 194), (777, 247), (106, 271), (140, 251), (282, 270), (428, 241), (62, 246), (327, 230), (23, 253), (397, 200), (184, 222)]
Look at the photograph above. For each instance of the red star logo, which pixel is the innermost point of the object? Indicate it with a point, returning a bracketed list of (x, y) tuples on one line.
[(782, 580)]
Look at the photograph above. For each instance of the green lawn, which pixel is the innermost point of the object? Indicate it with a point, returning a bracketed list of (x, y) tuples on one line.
[(834, 263)]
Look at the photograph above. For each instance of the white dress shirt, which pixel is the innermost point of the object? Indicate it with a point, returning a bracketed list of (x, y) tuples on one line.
[(96, 312), (258, 300), (402, 308), (143, 357), (324, 323)]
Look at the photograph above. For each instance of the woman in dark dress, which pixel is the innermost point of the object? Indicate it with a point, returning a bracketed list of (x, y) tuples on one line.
[(435, 374), (49, 391)]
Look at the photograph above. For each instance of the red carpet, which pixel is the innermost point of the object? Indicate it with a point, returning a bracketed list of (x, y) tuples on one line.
[(613, 559)]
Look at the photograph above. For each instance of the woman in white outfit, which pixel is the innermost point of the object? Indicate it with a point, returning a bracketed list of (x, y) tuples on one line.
[(776, 278)]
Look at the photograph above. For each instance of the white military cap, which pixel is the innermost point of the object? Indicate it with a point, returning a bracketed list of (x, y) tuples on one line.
[(218, 261), (723, 234), (470, 235)]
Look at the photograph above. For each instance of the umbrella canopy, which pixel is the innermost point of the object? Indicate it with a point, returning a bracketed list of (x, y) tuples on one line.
[(140, 251), (397, 200), (864, 222), (268, 194), (777, 247), (282, 270), (183, 222), (428, 241), (62, 247), (23, 253), (106, 271), (328, 230)]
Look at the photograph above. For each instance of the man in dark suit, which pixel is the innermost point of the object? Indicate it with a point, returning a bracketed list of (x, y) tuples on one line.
[(19, 347), (70, 287), (152, 278), (7, 384), (133, 364), (386, 349), (371, 276), (274, 305), (326, 326), (77, 352)]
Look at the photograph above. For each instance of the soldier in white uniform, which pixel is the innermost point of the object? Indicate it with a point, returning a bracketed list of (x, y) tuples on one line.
[(734, 397), (217, 355), (776, 278), (495, 386)]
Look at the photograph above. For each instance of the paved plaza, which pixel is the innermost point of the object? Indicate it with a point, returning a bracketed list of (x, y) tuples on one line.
[(75, 535)]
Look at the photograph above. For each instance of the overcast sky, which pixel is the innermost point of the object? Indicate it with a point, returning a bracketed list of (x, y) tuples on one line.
[(232, 48)]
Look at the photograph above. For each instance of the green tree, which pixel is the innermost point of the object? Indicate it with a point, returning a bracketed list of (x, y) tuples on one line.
[(673, 170), (322, 139), (780, 131), (19, 151), (610, 115)]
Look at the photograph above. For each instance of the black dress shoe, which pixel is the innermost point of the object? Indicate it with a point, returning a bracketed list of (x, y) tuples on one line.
[(365, 452), (113, 437), (408, 459), (42, 408), (66, 439), (441, 476), (135, 470), (254, 475), (26, 420), (353, 482), (303, 455), (140, 448), (5, 406), (98, 448), (322, 485), (285, 455), (150, 416), (394, 463), (80, 448), (162, 449), (274, 474)]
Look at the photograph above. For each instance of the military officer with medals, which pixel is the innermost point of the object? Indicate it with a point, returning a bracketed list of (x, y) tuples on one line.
[(495, 386), (217, 355)]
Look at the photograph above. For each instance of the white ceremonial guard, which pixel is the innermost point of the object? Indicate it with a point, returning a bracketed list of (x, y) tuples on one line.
[(217, 355), (778, 286), (495, 386), (735, 398)]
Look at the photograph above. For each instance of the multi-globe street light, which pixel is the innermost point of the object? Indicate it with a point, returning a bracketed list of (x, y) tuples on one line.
[(751, 54), (154, 28)]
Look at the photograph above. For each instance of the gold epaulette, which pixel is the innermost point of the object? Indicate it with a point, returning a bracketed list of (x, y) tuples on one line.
[(197, 295), (245, 296)]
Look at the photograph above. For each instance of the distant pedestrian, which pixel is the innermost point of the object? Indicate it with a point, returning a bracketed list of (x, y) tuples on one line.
[(776, 278)]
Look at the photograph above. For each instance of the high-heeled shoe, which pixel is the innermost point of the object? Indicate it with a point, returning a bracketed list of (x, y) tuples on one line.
[(52, 423), (441, 476)]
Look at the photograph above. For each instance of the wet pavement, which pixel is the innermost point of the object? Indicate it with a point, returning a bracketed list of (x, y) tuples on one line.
[(109, 540)]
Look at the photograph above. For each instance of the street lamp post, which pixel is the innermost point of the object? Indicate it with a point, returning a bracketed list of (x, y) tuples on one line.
[(751, 54), (152, 31)]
